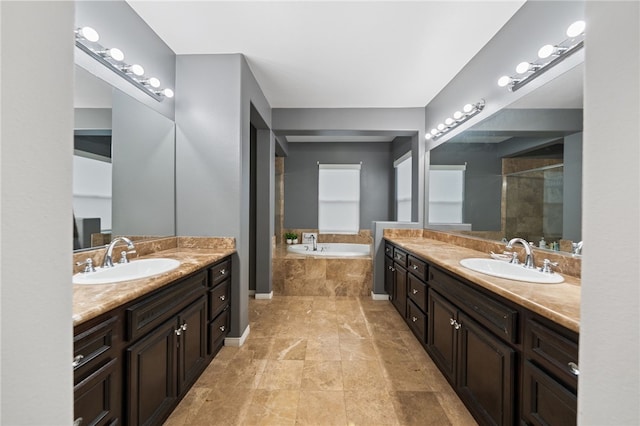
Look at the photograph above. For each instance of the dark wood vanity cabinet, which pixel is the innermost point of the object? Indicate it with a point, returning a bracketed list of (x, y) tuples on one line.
[(134, 364), (396, 279)]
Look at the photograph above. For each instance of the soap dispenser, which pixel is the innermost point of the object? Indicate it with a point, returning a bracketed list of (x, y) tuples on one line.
[(542, 243)]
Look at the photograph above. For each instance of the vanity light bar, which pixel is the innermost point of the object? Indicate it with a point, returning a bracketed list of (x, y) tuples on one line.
[(113, 58), (459, 117), (558, 53)]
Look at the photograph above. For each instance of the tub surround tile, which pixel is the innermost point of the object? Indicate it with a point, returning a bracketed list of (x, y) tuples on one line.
[(90, 301), (558, 302)]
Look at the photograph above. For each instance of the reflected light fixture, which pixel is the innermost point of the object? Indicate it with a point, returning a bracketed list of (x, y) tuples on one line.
[(469, 110), (113, 58), (549, 55)]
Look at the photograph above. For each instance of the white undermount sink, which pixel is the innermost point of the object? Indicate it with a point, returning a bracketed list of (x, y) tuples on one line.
[(134, 270), (502, 269)]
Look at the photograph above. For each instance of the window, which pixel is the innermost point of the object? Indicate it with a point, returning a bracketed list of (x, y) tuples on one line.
[(403, 187), (446, 194), (339, 198)]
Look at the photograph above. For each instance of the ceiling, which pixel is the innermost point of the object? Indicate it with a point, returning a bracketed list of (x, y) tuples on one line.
[(335, 54)]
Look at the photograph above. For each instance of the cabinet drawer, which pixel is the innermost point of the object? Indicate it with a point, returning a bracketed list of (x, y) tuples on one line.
[(388, 249), (154, 310), (499, 318), (219, 272), (417, 291), (417, 267), (400, 256), (417, 321), (95, 397), (219, 298), (545, 401), (218, 329), (556, 353), (94, 346)]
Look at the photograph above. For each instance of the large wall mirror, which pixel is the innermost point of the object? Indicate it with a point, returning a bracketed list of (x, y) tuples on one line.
[(518, 172), (124, 165)]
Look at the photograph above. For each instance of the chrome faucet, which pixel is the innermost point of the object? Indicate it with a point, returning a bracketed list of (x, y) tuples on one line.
[(528, 260), (576, 248), (108, 257), (314, 243)]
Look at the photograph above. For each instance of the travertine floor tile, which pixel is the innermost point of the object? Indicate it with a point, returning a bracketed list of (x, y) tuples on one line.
[(370, 407), (273, 407), (323, 348), (322, 375), (321, 408), (359, 375), (357, 349), (282, 375), (419, 409)]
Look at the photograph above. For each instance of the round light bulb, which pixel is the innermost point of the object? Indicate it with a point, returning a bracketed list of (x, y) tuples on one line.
[(434, 132), (546, 51), (428, 136), (137, 70), (441, 126), (168, 93), (457, 115), (116, 54), (576, 29), (504, 80), (89, 34), (154, 82), (467, 108), (523, 67), (449, 121)]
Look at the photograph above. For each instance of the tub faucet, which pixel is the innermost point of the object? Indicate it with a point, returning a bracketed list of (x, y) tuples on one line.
[(576, 248), (528, 260), (108, 257), (314, 244)]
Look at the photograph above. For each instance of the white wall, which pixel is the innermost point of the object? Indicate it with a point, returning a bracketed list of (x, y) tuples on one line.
[(609, 385), (36, 222)]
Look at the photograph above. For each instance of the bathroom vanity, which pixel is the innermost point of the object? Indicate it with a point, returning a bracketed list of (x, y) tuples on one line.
[(140, 345), (509, 349)]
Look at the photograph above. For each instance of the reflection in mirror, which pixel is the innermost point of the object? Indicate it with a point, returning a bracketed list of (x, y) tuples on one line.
[(123, 178), (522, 169)]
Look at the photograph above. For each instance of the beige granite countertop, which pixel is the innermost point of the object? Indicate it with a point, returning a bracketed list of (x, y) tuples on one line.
[(89, 301), (557, 302)]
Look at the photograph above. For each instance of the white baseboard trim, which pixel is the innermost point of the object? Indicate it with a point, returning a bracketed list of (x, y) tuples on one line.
[(379, 296), (237, 341), (252, 292), (265, 296)]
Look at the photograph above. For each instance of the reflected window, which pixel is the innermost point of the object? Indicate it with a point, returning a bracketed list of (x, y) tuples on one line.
[(339, 198), (446, 193), (402, 168)]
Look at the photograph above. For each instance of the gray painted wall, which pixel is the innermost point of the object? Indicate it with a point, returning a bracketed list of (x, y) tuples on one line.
[(143, 178), (301, 180), (119, 26), (572, 191), (92, 118), (483, 181)]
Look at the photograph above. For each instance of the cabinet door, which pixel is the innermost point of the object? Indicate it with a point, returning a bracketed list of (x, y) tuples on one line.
[(441, 335), (544, 400), (486, 373), (192, 343), (152, 376), (388, 277), (96, 396), (400, 296)]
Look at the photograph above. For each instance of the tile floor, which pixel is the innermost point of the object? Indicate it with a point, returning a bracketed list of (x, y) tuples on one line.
[(322, 361)]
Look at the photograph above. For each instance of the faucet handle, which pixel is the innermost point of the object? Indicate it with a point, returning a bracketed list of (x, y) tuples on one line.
[(88, 265), (123, 256), (514, 258), (546, 266)]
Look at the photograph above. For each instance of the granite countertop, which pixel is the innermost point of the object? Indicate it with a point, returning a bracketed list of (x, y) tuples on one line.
[(89, 301), (557, 302)]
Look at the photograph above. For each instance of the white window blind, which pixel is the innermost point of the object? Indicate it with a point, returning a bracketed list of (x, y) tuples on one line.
[(403, 187), (339, 198), (446, 194)]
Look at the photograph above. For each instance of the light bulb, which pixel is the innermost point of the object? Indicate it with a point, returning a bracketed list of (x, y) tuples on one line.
[(523, 67), (89, 34), (467, 108), (457, 115), (576, 29), (504, 80), (168, 93), (449, 121), (546, 51), (116, 54), (441, 127), (137, 70), (154, 82), (434, 132), (428, 136)]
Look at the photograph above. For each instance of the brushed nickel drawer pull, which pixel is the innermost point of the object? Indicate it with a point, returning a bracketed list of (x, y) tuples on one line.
[(223, 271), (222, 328), (574, 368), (414, 319), (222, 297), (415, 267), (77, 360), (414, 291)]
